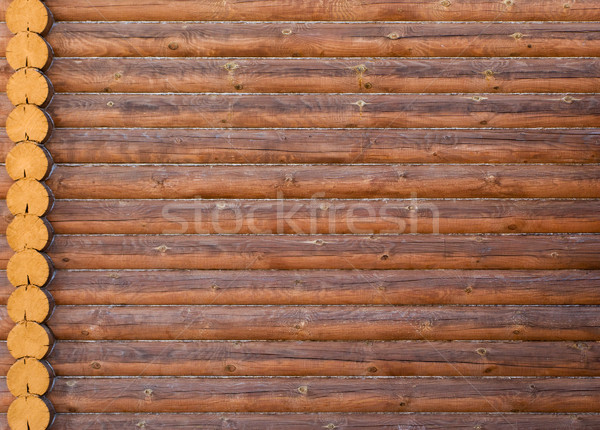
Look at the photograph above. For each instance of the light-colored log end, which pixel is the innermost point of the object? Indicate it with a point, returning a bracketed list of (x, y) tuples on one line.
[(28, 15), (28, 122), (29, 86), (29, 267), (30, 413), (28, 160), (28, 196), (29, 339), (29, 376), (29, 303), (28, 49), (28, 232)]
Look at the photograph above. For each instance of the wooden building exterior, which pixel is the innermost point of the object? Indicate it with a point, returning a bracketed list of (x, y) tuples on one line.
[(275, 214)]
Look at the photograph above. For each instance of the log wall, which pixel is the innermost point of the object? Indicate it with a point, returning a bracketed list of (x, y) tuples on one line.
[(319, 214)]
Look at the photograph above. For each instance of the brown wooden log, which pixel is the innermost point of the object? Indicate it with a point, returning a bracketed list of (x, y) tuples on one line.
[(356, 323), (29, 376), (29, 86), (30, 413), (332, 110), (325, 395), (259, 358), (349, 421), (360, 75), (320, 146), (28, 123), (28, 15), (235, 252), (320, 182), (27, 49), (28, 160), (300, 39), (321, 216)]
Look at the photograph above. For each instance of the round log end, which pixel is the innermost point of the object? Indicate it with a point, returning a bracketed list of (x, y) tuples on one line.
[(28, 232), (29, 267), (30, 413), (28, 49), (29, 339), (29, 376), (28, 122), (28, 160), (28, 196), (29, 303), (29, 86), (28, 15)]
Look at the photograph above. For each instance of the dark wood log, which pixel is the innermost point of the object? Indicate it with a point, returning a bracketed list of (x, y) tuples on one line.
[(320, 146), (309, 216), (318, 110), (278, 10), (320, 182), (259, 358), (267, 75), (357, 323), (326, 287), (300, 39)]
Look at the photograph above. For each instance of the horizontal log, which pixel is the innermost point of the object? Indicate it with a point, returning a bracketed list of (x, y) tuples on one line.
[(321, 216), (300, 39), (350, 421), (260, 358), (461, 75), (325, 395), (350, 323), (317, 110), (245, 252), (320, 182), (320, 146), (278, 10), (329, 287)]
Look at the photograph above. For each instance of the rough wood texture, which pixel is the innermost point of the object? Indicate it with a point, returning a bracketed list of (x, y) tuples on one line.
[(320, 146), (326, 395), (321, 216), (28, 196), (317, 182), (318, 110), (329, 10), (30, 413), (326, 287), (260, 358), (360, 75), (27, 15), (28, 122), (29, 267), (350, 323), (29, 303), (29, 339), (298, 39), (27, 49), (28, 232), (28, 160), (29, 376), (29, 86)]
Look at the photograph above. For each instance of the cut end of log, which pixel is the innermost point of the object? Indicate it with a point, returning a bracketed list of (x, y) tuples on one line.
[(28, 122), (30, 413), (29, 267), (29, 376), (28, 49), (28, 232), (29, 303), (29, 86), (28, 15), (28, 196), (29, 339), (28, 160)]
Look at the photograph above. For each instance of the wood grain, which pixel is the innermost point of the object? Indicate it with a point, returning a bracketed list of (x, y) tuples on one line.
[(350, 323), (334, 10), (360, 75), (301, 39), (290, 146)]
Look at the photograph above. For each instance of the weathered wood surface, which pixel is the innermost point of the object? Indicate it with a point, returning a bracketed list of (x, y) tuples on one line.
[(321, 216), (329, 10), (321, 182), (319, 110), (265, 358), (326, 287), (301, 39), (267, 75), (320, 146), (244, 252), (350, 323), (349, 421)]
